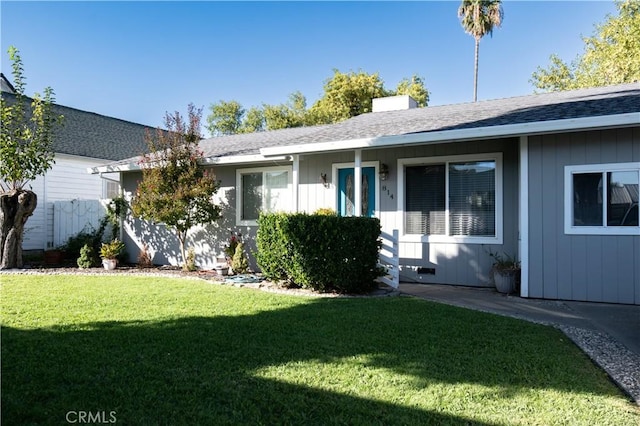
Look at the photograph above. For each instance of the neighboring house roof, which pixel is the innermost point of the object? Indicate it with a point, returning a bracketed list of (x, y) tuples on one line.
[(532, 114), (88, 134), (5, 85)]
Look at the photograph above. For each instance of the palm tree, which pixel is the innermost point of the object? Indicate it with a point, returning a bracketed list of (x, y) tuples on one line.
[(478, 18)]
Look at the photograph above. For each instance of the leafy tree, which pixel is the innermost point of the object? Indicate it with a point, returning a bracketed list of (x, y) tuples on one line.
[(414, 87), (347, 95), (253, 121), (175, 189), (225, 118), (611, 55), (478, 18), (26, 152), (291, 114)]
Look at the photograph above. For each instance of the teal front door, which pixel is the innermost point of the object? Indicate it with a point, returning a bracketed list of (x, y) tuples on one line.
[(346, 191)]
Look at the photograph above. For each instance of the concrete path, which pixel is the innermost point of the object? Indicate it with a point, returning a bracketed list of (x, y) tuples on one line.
[(608, 333)]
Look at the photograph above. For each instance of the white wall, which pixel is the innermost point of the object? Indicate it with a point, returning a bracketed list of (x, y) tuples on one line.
[(68, 179)]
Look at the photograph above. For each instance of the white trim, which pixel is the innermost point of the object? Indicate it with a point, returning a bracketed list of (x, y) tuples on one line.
[(499, 207), (357, 187), (334, 178), (244, 159), (523, 221), (569, 171), (238, 187), (461, 135), (295, 176), (226, 160), (114, 168)]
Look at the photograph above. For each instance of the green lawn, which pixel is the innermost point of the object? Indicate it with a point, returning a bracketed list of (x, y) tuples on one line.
[(173, 351)]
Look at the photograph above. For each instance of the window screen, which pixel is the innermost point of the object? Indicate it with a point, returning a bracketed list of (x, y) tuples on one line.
[(251, 195)]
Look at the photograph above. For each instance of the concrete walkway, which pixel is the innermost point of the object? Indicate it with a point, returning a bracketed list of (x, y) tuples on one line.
[(608, 333)]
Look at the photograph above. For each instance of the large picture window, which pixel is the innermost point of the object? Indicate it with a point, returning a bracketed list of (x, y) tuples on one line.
[(602, 199), (262, 190), (453, 199)]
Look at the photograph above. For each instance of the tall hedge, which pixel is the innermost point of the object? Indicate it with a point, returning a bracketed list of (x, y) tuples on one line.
[(325, 253)]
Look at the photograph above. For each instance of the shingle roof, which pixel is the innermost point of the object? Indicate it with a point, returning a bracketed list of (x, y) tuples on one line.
[(583, 103), (250, 143), (517, 110), (93, 135), (612, 100)]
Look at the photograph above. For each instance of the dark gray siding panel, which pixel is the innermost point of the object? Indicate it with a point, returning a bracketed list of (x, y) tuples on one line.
[(599, 268), (594, 269), (636, 268), (535, 220), (576, 260), (550, 220), (563, 242)]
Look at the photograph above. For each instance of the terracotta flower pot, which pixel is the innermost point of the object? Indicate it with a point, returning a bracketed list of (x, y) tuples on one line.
[(53, 257)]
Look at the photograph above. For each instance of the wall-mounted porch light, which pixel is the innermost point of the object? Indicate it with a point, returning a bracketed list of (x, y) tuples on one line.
[(384, 172), (323, 180)]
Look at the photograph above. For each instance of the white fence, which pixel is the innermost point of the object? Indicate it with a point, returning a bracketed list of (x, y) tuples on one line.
[(71, 217), (388, 258)]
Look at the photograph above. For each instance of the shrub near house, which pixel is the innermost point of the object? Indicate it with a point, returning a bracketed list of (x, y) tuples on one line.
[(322, 252)]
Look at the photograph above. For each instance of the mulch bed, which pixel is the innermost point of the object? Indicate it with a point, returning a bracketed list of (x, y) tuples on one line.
[(176, 271)]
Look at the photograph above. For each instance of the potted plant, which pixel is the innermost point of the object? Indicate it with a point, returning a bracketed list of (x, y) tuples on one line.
[(54, 256), (109, 253), (505, 271), (230, 251)]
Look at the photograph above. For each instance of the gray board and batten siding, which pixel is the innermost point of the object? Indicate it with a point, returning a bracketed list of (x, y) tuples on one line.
[(599, 268), (467, 264)]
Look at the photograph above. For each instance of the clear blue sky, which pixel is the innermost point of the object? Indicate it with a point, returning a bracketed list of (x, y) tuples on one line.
[(136, 60)]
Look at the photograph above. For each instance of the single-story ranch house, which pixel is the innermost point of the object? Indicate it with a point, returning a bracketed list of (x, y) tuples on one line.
[(550, 178)]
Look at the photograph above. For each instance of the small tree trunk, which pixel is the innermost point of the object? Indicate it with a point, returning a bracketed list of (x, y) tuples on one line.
[(15, 208), (182, 236)]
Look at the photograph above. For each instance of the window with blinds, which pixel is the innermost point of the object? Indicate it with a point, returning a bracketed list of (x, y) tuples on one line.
[(454, 199), (472, 195), (425, 200)]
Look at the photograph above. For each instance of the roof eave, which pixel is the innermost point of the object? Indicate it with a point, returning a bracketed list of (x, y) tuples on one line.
[(462, 135), (225, 160), (242, 159), (114, 168)]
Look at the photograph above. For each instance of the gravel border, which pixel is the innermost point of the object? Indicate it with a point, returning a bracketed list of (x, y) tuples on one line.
[(621, 364)]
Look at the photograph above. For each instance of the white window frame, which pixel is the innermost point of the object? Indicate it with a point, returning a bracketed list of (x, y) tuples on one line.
[(569, 171), (455, 239), (105, 188), (263, 170)]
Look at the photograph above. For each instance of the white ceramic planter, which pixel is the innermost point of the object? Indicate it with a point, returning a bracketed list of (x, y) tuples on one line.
[(109, 264), (505, 281)]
